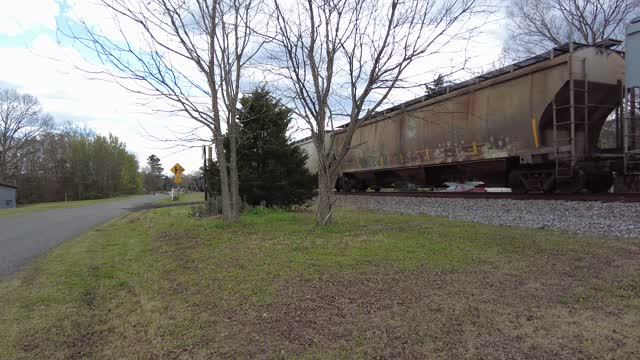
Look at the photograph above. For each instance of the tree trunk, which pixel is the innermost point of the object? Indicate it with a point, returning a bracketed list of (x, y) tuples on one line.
[(228, 214), (326, 185), (234, 183), (3, 168)]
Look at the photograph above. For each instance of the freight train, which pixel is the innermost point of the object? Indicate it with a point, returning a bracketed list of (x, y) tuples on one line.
[(532, 126)]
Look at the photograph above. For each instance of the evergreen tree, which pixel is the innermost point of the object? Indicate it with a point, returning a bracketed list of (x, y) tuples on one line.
[(153, 179), (154, 164), (270, 168)]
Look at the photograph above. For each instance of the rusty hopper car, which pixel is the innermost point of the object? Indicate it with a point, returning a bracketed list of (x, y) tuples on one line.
[(531, 126)]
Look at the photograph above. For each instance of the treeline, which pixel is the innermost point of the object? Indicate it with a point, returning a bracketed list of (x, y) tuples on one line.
[(76, 164), (50, 162)]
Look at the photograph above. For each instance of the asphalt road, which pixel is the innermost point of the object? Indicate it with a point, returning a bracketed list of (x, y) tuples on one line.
[(24, 236)]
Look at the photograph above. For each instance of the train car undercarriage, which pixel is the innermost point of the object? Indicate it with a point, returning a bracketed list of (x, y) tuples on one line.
[(593, 175)]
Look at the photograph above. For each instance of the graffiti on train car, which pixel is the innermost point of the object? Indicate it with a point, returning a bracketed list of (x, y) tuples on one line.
[(496, 147)]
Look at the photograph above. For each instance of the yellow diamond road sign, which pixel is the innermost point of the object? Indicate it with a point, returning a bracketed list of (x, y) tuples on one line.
[(177, 169)]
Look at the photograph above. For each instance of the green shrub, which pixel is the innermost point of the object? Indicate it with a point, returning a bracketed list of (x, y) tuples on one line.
[(213, 207)]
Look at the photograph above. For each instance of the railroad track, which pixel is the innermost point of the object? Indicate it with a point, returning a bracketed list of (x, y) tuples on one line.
[(618, 197)]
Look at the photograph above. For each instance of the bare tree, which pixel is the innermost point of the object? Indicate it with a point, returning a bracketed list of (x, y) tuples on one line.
[(536, 26), (189, 56), (22, 119), (343, 58)]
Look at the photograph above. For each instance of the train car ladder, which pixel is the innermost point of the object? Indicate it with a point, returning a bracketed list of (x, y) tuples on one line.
[(631, 135), (564, 149)]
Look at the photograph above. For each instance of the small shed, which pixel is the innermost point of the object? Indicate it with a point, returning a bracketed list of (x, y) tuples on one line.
[(7, 196)]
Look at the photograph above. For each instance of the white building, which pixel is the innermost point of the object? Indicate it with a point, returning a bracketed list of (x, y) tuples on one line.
[(7, 196)]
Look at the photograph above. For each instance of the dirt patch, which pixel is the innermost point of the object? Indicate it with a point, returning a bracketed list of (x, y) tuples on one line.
[(558, 307)]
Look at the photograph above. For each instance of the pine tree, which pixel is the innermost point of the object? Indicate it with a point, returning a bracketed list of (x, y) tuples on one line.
[(154, 164), (270, 168), (153, 178)]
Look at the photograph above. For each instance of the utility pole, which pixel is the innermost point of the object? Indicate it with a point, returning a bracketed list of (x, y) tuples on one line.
[(204, 173)]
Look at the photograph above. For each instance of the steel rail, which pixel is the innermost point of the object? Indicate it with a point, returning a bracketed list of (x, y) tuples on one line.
[(609, 197)]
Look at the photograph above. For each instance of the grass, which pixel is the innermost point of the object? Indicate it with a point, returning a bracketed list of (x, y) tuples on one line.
[(160, 284), (29, 208), (183, 198)]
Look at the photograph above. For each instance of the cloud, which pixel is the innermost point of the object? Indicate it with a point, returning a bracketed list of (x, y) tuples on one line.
[(19, 16), (47, 70)]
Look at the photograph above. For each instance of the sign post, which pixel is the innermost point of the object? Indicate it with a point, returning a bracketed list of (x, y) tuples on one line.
[(177, 170)]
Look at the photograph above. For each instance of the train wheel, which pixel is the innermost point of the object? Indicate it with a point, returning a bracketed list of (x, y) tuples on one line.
[(599, 183), (574, 184), (346, 186), (343, 184), (549, 185), (351, 184), (515, 182)]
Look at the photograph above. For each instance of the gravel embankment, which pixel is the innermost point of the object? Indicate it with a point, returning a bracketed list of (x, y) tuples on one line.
[(614, 219)]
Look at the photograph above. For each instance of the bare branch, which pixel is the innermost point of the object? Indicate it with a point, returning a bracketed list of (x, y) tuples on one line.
[(189, 56), (22, 120), (535, 26), (339, 60)]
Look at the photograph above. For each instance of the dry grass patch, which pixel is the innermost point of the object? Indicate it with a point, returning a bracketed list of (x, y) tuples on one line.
[(159, 284)]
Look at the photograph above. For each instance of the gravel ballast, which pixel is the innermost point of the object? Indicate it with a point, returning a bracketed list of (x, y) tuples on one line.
[(595, 218)]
